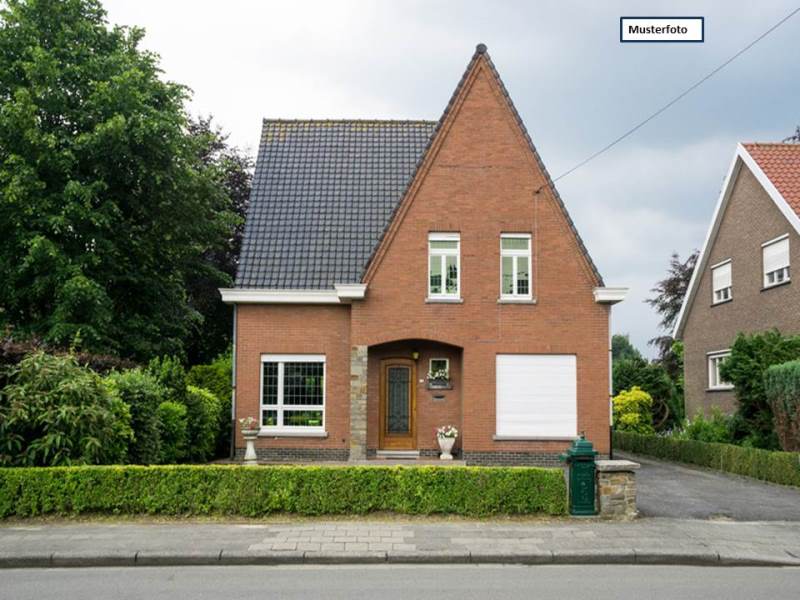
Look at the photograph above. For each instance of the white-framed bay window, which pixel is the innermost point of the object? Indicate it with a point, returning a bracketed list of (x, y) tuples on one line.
[(722, 282), (715, 380), (293, 392), (515, 266), (775, 260), (444, 266)]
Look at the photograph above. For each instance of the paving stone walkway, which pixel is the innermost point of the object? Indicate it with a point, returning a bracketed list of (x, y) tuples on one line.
[(652, 541)]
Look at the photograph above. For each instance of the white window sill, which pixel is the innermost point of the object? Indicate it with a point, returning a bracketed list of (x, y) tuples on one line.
[(769, 286), (308, 433), (430, 300), (513, 300), (534, 438)]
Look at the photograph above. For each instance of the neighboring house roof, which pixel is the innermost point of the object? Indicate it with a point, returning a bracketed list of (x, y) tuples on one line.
[(323, 194), (776, 166)]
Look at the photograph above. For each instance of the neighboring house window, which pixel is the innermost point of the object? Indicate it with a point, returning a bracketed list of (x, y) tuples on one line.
[(715, 360), (293, 392), (439, 366), (515, 266), (775, 255), (444, 265), (722, 282)]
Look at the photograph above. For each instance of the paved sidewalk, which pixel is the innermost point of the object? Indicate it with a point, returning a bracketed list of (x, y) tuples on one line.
[(647, 541)]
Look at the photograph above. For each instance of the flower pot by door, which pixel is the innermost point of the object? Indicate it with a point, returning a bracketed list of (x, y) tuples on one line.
[(446, 446)]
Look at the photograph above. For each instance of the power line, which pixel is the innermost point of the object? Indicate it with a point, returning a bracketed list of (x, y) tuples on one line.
[(694, 86)]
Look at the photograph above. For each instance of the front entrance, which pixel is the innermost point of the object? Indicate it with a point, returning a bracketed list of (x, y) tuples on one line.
[(398, 404)]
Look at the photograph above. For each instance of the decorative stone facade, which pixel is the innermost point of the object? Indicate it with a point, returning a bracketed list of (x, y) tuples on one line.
[(358, 403), (616, 488)]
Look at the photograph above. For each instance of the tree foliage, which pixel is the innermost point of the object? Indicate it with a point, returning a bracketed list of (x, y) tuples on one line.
[(55, 412), (751, 356), (622, 349), (633, 411), (651, 377), (668, 299), (108, 206), (142, 393), (782, 388)]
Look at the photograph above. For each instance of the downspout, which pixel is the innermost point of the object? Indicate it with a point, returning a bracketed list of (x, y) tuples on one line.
[(610, 391), (233, 387)]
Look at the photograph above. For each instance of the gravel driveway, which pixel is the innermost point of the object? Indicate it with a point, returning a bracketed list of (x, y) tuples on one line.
[(676, 490)]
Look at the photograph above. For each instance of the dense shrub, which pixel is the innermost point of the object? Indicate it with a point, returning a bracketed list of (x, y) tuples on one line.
[(653, 379), (253, 492), (142, 393), (169, 372), (777, 467), (55, 412), (202, 420), (751, 356), (633, 411), (172, 432), (782, 388), (715, 428), (216, 378)]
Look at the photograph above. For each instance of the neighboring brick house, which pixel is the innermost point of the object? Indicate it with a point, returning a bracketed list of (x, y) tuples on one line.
[(376, 252), (742, 282)]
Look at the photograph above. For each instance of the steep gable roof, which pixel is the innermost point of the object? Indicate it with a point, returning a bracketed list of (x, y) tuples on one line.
[(776, 167), (323, 192), (326, 193), (481, 55)]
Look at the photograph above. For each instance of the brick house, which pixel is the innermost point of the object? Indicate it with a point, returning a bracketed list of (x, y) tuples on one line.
[(742, 282), (397, 276)]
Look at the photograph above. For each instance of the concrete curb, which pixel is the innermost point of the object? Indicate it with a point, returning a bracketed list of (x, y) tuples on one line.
[(707, 558)]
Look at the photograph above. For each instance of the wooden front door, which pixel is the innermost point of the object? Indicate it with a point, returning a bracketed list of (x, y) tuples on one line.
[(398, 405)]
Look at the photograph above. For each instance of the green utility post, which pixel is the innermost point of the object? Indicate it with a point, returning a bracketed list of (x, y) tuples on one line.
[(580, 461)]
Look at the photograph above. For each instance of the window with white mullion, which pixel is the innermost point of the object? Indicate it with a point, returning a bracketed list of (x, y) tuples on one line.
[(515, 266), (715, 380), (444, 265), (722, 282), (293, 392), (775, 256)]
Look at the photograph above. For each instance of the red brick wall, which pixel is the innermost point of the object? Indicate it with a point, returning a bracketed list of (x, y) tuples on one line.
[(293, 329), (481, 182)]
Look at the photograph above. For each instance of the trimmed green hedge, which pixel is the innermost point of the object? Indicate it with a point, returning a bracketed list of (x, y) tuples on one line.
[(257, 491), (777, 467)]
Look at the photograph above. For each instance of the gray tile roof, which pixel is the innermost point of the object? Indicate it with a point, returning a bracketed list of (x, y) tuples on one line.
[(323, 194)]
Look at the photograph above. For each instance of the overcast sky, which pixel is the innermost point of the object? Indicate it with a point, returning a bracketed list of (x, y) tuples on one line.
[(575, 85)]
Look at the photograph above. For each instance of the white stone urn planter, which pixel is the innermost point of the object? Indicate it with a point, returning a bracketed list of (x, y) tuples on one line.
[(249, 427), (446, 446), (446, 436)]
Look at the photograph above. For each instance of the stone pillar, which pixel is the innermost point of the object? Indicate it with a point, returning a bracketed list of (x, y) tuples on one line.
[(358, 403), (616, 488)]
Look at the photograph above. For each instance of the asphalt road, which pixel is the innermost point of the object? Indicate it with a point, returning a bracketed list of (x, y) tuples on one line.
[(674, 490), (402, 582)]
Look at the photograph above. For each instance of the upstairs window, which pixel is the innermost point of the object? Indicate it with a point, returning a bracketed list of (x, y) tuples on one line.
[(293, 392), (721, 282), (444, 266), (775, 257), (715, 380), (515, 266)]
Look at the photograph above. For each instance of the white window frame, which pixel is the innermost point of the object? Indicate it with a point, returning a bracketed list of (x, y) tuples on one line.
[(723, 294), (785, 271), (281, 359), (443, 254), (446, 364), (714, 360), (514, 254)]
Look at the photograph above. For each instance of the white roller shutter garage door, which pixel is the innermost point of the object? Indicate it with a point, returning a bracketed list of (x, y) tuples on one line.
[(537, 395)]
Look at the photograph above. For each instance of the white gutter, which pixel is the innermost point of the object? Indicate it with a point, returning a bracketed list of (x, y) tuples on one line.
[(341, 294), (610, 295)]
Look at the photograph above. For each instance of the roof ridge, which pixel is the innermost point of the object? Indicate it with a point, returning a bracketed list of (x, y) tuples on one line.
[(315, 120)]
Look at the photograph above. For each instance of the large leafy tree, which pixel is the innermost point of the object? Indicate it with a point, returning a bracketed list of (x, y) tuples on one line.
[(234, 169), (668, 299), (106, 205)]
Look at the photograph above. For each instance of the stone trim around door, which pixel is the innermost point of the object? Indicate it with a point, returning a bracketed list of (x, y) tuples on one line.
[(358, 403)]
